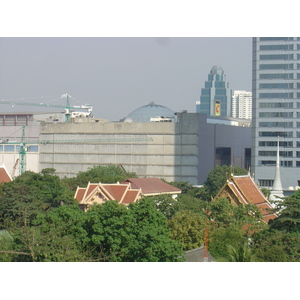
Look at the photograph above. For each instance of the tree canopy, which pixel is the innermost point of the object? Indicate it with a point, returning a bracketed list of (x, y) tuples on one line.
[(104, 174), (40, 221)]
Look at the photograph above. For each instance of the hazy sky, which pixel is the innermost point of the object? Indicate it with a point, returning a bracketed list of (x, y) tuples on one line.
[(118, 75)]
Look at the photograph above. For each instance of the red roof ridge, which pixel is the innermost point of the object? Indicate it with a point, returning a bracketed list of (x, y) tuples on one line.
[(4, 175)]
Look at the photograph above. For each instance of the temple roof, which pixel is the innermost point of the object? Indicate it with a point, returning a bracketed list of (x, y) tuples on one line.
[(4, 175), (152, 186), (243, 190), (99, 193)]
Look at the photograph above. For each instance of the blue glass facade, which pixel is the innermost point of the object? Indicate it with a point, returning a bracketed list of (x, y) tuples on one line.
[(215, 98)]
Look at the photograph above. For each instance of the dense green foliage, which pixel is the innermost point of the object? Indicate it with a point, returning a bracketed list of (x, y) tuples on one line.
[(188, 228), (40, 221), (43, 223), (217, 178), (95, 174)]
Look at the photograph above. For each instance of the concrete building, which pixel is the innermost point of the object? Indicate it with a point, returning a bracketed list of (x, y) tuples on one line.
[(185, 148), (11, 130), (242, 104), (215, 98), (276, 110)]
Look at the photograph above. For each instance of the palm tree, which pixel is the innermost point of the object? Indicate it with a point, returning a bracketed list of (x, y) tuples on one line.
[(241, 253)]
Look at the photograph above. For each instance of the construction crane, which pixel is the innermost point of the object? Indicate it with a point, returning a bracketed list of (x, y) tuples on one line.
[(66, 107), (23, 144)]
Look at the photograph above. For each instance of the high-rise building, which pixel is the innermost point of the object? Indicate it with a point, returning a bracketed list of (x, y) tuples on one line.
[(215, 98), (276, 110), (242, 105)]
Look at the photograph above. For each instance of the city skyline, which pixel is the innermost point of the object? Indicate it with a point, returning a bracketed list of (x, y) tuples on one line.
[(118, 75)]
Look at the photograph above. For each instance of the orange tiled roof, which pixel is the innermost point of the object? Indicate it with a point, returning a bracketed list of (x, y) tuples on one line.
[(117, 191), (245, 191), (251, 191), (79, 194), (152, 186), (131, 196), (4, 176), (98, 193)]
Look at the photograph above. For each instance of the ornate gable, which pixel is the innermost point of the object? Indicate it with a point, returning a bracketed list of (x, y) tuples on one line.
[(97, 193), (241, 190)]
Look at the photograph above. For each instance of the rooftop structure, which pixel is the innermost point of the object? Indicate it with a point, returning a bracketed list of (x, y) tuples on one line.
[(197, 255), (241, 190), (276, 191), (151, 111), (98, 193), (152, 186)]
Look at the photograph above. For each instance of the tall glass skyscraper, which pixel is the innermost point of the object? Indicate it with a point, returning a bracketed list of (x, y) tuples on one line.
[(215, 98), (276, 109)]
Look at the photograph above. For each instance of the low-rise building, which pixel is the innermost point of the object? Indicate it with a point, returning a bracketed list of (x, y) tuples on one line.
[(98, 193)]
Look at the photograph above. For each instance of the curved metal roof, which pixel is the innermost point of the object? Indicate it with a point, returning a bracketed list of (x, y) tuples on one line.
[(152, 110)]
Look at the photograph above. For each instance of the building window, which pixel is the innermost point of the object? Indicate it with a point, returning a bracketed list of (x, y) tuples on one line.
[(9, 148), (298, 166), (267, 153), (274, 144), (276, 105), (276, 39), (276, 56), (276, 86), (276, 47), (276, 95), (287, 163), (267, 163), (276, 115), (266, 182), (276, 76), (276, 67), (276, 133), (274, 153), (223, 156), (277, 124), (28, 148), (247, 158)]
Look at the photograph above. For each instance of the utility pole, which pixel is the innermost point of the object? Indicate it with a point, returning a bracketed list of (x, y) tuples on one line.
[(205, 252)]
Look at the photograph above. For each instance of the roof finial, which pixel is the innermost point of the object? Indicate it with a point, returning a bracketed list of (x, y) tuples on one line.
[(277, 192)]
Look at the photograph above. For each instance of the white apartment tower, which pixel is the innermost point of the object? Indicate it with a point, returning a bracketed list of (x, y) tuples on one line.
[(276, 110), (242, 104)]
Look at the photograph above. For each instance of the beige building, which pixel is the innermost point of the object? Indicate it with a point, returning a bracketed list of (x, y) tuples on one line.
[(166, 150), (152, 141)]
